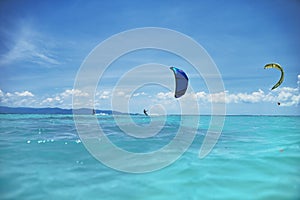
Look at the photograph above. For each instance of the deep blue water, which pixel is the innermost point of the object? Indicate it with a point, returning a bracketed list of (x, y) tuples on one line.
[(256, 157)]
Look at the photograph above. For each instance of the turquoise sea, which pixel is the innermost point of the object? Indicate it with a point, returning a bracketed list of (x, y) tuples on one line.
[(256, 157)]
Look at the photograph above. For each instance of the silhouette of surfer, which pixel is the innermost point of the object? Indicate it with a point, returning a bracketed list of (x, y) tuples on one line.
[(145, 112)]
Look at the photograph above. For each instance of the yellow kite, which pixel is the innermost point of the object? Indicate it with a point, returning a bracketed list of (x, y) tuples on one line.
[(277, 66)]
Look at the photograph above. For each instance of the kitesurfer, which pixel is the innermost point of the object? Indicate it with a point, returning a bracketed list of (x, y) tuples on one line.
[(145, 112)]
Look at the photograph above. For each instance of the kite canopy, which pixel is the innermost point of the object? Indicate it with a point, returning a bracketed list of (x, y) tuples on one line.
[(277, 66), (181, 81)]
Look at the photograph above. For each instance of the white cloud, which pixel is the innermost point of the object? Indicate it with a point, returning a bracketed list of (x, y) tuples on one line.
[(63, 99), (27, 98), (103, 95), (253, 97), (139, 94), (166, 95), (120, 93), (24, 98), (9, 94), (50, 100), (76, 92), (24, 94)]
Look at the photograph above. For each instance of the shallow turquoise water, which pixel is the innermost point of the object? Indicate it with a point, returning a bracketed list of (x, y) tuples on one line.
[(256, 157)]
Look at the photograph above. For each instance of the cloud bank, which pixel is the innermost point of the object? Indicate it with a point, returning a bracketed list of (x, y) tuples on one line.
[(287, 96)]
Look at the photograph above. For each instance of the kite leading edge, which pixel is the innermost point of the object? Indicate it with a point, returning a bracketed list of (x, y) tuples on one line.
[(276, 66)]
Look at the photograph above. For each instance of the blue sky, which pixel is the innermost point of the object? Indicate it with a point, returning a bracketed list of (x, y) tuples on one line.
[(43, 43)]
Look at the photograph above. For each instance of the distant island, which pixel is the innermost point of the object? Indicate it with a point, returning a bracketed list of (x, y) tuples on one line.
[(28, 110)]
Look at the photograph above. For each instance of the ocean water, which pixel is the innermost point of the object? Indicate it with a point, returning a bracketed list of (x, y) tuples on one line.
[(256, 157)]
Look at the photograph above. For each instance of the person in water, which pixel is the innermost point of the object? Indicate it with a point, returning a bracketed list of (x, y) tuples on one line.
[(145, 112)]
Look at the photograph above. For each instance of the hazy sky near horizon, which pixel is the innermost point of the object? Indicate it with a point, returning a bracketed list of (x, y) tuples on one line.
[(43, 44)]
